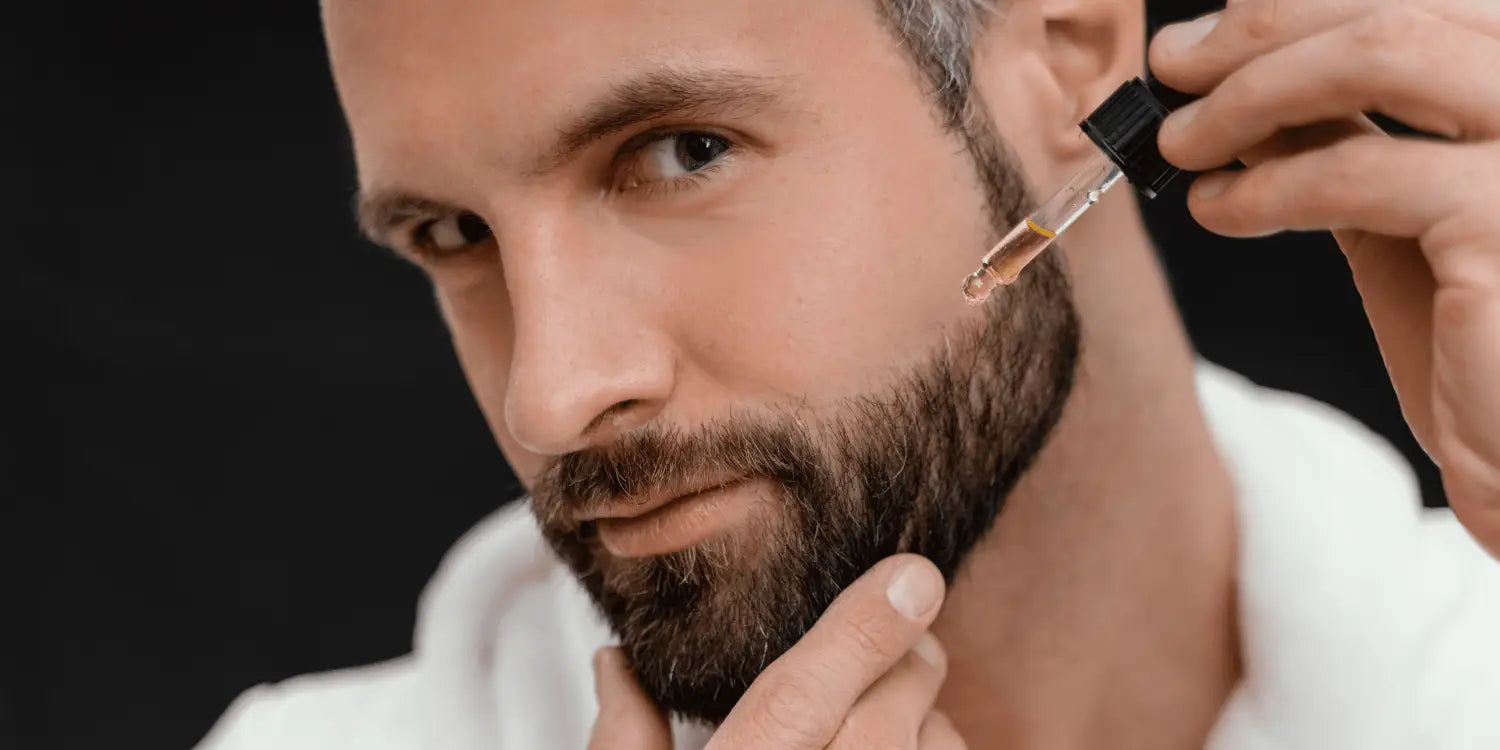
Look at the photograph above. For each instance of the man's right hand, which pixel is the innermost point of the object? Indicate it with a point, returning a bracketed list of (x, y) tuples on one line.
[(865, 676)]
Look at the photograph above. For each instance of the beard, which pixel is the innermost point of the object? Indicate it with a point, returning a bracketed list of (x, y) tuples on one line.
[(922, 466)]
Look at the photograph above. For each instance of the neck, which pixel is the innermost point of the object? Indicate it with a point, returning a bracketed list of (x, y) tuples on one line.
[(1100, 610)]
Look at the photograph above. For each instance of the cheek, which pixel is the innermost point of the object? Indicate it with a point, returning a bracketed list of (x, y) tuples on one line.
[(476, 308), (837, 277)]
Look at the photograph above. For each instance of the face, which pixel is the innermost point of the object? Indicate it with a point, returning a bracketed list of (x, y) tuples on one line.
[(701, 263)]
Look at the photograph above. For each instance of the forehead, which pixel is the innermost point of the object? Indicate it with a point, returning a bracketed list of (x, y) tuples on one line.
[(498, 75)]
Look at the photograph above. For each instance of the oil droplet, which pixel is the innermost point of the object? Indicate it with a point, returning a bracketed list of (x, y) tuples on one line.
[(978, 285)]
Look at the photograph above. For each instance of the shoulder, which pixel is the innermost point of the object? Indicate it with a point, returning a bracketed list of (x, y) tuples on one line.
[(317, 711), (501, 659), (1319, 494), (1260, 429), (1365, 619)]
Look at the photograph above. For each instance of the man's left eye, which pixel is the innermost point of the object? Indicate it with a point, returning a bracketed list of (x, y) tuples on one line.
[(676, 155)]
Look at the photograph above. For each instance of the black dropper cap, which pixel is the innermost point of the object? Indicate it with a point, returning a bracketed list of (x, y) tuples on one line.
[(1124, 127)]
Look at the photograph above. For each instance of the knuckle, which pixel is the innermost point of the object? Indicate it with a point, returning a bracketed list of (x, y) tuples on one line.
[(1386, 26), (866, 731), (1451, 314), (868, 637), (1477, 474), (1354, 160), (1260, 21), (1244, 87), (794, 709), (1313, 201), (1330, 189), (1341, 176), (1243, 204), (1383, 40)]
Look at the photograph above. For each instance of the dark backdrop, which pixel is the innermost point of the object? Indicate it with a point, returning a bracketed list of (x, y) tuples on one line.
[(236, 441)]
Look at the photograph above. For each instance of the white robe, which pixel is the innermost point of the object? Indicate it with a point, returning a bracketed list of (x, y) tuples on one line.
[(1367, 623)]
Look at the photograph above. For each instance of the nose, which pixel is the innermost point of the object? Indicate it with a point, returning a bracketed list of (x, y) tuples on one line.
[(591, 359)]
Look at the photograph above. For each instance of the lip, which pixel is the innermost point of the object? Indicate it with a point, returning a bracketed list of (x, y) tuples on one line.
[(635, 509), (676, 523)]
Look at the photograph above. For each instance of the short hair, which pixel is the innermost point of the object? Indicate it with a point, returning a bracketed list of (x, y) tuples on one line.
[(939, 35)]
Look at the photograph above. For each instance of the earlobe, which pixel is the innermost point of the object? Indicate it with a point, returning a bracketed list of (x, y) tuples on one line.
[(1091, 46)]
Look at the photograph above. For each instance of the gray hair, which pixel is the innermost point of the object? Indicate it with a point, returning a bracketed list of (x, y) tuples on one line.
[(939, 35)]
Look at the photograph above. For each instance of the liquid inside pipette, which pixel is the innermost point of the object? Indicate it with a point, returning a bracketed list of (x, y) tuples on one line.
[(1003, 264), (1124, 128)]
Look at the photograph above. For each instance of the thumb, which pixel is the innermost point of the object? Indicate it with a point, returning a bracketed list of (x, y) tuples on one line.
[(628, 720)]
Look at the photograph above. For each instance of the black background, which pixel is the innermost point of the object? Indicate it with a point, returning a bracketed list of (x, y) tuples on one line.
[(236, 442)]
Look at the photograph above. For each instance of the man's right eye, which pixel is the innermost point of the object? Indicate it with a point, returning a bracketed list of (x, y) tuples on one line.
[(449, 235)]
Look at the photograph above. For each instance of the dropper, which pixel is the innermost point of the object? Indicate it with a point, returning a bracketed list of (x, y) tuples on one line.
[(1124, 129)]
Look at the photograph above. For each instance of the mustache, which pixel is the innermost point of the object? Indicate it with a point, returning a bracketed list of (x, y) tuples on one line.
[(653, 459)]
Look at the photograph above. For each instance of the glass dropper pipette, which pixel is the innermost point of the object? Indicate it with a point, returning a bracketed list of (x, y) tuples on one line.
[(1124, 128), (1003, 263)]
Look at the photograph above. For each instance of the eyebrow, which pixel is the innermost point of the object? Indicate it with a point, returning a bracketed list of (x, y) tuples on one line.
[(652, 96), (379, 213), (658, 95)]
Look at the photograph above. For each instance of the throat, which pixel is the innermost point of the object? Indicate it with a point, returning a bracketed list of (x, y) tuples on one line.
[(1100, 610)]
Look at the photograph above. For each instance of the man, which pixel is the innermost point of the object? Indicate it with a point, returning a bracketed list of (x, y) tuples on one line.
[(701, 264)]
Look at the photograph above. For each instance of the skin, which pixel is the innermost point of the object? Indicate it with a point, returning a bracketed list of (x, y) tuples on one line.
[(1415, 219), (1099, 610)]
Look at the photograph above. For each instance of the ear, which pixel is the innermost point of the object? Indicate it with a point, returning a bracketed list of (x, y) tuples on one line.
[(1090, 47)]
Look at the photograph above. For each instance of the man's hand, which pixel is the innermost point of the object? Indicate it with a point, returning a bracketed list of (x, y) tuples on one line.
[(1418, 219), (864, 677)]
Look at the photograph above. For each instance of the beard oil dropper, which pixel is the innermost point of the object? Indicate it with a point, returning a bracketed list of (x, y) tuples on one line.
[(1124, 128)]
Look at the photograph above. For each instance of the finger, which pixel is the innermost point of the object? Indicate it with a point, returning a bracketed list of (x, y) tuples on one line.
[(1472, 485), (1405, 63), (1398, 187), (890, 713), (1368, 188), (938, 733), (1467, 454), (628, 720), (800, 700), (1295, 140), (1195, 56), (1466, 356)]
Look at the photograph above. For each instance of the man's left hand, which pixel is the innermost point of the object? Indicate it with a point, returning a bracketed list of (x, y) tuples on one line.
[(1286, 82)]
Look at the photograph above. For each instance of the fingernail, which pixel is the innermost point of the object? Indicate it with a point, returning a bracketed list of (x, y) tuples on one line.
[(929, 649), (914, 590), (1212, 184), (1179, 36), (604, 541)]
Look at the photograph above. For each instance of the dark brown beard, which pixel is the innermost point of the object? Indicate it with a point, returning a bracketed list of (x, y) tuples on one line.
[(923, 466)]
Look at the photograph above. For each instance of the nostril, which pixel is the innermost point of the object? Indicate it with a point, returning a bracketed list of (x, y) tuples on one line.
[(611, 414)]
